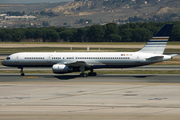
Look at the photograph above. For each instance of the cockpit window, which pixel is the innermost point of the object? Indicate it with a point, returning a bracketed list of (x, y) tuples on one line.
[(8, 58)]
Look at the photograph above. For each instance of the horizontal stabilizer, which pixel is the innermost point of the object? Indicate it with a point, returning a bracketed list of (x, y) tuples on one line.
[(155, 58), (172, 55)]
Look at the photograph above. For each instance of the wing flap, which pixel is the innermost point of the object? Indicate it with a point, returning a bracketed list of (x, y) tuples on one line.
[(77, 63)]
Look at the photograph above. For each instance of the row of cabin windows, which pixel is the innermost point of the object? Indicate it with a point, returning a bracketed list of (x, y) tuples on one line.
[(34, 58), (80, 58), (56, 58), (92, 58)]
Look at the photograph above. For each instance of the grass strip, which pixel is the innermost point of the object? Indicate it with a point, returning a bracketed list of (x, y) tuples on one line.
[(28, 71), (80, 43), (57, 49), (67, 49), (91, 43)]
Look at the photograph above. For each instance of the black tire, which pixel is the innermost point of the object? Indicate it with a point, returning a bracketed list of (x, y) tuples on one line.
[(22, 74), (85, 75), (94, 74), (89, 74)]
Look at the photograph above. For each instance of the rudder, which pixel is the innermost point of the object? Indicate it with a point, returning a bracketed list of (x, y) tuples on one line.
[(157, 43)]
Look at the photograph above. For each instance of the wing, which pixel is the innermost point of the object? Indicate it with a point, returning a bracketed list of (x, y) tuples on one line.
[(77, 64)]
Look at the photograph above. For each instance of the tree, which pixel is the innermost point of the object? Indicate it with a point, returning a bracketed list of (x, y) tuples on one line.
[(141, 35), (29, 33), (95, 33), (38, 34), (124, 26), (81, 34), (52, 35), (17, 35), (175, 36), (130, 32), (6, 37), (73, 37), (134, 25), (10, 13), (111, 28), (65, 23), (82, 21), (60, 29), (115, 38), (45, 23), (6, 34), (1, 34), (126, 35), (66, 35)]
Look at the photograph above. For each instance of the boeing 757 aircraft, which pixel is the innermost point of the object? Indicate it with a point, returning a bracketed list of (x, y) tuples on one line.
[(66, 62)]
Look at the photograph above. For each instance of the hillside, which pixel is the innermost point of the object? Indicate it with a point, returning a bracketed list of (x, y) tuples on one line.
[(114, 11), (28, 7), (82, 13)]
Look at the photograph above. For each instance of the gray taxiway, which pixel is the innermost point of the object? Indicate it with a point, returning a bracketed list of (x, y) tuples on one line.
[(107, 97)]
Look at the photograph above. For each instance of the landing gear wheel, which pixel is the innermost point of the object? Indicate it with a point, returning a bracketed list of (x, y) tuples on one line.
[(89, 74), (92, 73), (83, 75), (82, 69), (22, 74)]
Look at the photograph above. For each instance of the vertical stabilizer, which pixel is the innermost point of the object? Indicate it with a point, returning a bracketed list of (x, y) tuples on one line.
[(158, 42)]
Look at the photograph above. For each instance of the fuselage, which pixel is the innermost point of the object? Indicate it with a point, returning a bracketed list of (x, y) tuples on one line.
[(96, 59)]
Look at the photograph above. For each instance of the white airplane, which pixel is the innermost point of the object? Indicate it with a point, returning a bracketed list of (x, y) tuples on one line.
[(66, 62)]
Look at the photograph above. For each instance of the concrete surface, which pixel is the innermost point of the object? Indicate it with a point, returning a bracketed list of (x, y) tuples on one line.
[(105, 97)]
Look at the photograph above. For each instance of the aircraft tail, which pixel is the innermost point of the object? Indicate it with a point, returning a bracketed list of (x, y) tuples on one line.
[(157, 43)]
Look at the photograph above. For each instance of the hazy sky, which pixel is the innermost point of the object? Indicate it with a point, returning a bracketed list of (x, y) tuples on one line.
[(32, 1)]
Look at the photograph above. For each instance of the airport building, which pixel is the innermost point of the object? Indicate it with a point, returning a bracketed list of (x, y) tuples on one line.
[(19, 17)]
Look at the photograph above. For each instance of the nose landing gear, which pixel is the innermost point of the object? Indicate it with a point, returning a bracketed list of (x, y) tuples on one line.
[(22, 73)]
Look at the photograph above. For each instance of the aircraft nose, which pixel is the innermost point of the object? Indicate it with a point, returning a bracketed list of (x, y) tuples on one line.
[(3, 62)]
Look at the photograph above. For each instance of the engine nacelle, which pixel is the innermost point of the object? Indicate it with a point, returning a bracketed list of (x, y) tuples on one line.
[(60, 68)]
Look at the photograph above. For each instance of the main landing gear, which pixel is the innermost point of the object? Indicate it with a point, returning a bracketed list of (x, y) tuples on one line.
[(92, 73), (22, 73), (82, 74)]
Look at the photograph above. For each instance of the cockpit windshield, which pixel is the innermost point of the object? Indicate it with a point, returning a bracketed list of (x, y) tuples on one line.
[(8, 58)]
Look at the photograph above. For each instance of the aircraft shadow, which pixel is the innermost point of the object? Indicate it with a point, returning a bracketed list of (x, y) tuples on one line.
[(136, 76), (143, 76), (66, 77), (4, 78)]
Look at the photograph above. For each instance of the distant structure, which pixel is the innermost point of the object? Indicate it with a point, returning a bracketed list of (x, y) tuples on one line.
[(1, 15), (19, 17)]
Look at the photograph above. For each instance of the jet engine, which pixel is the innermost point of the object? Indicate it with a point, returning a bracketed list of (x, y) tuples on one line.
[(60, 68)]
